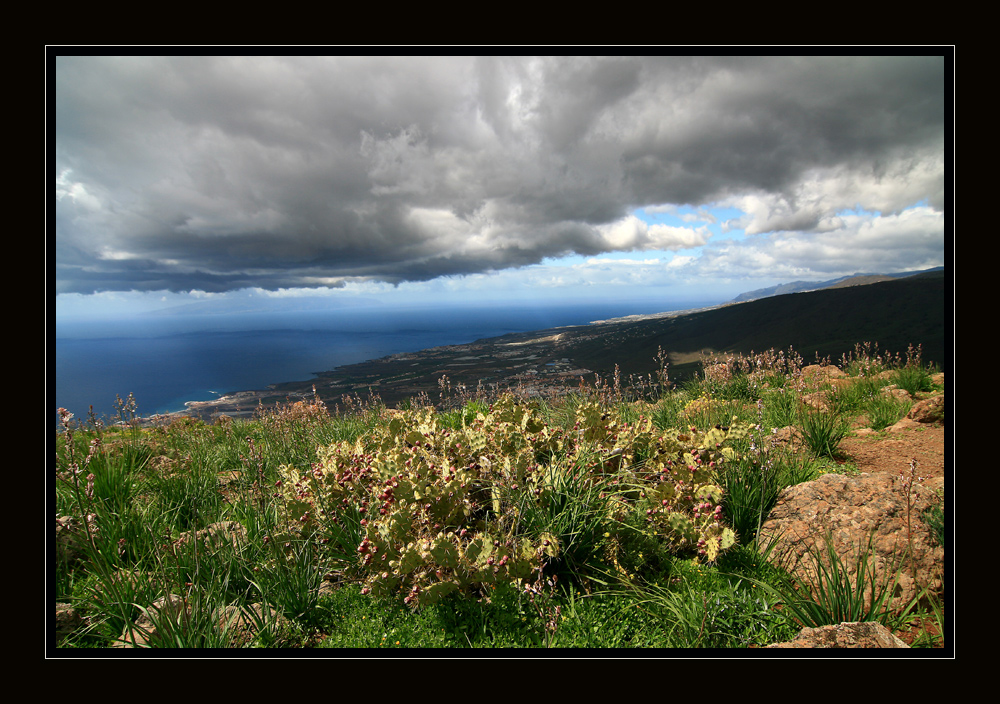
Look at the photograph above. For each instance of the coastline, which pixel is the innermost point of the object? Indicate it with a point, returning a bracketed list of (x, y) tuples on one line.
[(535, 363), (633, 350)]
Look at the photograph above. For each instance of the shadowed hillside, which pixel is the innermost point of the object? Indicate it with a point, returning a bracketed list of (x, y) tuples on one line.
[(828, 322)]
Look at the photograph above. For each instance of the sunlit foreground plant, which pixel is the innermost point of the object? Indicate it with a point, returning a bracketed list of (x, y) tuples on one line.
[(839, 589), (728, 617), (823, 430), (441, 509)]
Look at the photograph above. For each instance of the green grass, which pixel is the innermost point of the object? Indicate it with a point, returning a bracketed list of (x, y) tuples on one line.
[(844, 589), (884, 410), (614, 582), (823, 430)]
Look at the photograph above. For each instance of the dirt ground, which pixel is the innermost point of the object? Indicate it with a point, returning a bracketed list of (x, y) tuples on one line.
[(892, 451)]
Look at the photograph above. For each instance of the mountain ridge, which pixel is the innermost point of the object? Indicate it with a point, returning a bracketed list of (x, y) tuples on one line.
[(803, 286)]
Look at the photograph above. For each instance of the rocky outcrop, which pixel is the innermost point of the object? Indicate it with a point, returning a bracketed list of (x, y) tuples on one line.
[(845, 635), (852, 511)]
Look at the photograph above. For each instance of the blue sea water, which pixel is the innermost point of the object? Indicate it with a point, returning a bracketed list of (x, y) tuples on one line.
[(164, 362)]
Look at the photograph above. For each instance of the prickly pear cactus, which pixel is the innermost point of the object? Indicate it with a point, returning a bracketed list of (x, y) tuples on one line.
[(439, 509)]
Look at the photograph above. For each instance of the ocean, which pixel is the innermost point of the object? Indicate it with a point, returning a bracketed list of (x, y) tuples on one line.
[(168, 360)]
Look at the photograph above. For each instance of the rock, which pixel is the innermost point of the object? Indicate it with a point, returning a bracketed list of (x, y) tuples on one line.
[(851, 509), (930, 410), (866, 634), (718, 372), (216, 535), (819, 400), (822, 371), (816, 375), (134, 583), (146, 630), (163, 466), (787, 435), (903, 424), (935, 484), (896, 392), (242, 626), (71, 537), (239, 625), (68, 619)]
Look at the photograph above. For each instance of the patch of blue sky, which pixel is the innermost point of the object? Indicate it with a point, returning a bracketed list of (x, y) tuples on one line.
[(712, 217), (859, 211)]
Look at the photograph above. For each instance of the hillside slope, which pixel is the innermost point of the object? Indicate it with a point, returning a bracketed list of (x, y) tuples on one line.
[(828, 323), (841, 282)]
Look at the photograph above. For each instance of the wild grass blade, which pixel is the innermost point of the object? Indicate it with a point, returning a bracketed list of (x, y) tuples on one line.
[(838, 589), (822, 430)]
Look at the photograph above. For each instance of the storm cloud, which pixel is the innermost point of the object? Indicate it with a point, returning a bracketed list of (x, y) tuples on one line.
[(222, 173)]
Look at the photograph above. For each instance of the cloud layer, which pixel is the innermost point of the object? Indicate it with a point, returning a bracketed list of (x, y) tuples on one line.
[(221, 173)]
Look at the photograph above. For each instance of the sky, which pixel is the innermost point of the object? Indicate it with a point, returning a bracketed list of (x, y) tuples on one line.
[(221, 182)]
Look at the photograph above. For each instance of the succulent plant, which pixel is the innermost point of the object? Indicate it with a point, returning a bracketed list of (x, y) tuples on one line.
[(440, 508)]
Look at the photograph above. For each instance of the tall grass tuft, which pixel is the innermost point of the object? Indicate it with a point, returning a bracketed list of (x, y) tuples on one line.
[(840, 591), (910, 373), (823, 430), (885, 410)]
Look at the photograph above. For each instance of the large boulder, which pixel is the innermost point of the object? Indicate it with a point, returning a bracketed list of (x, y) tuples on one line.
[(867, 634), (853, 511), (929, 410)]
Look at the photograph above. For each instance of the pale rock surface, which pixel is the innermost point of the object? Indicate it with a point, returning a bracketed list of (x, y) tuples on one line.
[(851, 509), (845, 635)]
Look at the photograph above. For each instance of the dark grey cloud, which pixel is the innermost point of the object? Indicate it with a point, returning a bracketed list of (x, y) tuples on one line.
[(218, 173)]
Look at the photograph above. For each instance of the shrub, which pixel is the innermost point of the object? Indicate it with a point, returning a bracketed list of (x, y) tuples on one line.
[(700, 410), (913, 380), (502, 498), (751, 486), (865, 361), (706, 411)]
